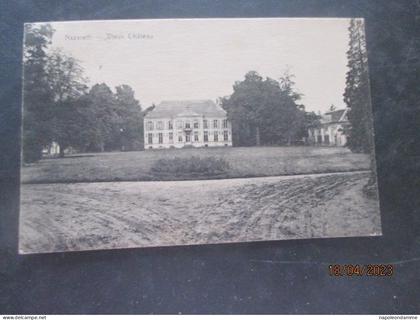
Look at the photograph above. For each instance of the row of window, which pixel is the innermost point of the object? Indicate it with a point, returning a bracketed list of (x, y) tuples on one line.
[(194, 132), (326, 139), (188, 137), (185, 124)]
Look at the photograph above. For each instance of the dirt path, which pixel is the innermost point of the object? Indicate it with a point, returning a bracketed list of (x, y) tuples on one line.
[(85, 216)]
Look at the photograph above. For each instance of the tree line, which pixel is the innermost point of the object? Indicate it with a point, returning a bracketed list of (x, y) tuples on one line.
[(267, 111), (60, 107)]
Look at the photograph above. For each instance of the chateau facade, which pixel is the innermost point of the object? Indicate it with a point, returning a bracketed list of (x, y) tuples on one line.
[(194, 123)]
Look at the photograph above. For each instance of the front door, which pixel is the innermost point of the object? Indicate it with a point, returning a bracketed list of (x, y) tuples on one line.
[(187, 137)]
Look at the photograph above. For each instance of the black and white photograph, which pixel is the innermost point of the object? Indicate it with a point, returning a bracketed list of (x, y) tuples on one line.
[(167, 132)]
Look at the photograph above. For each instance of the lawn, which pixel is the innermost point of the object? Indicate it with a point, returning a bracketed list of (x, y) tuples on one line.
[(243, 162)]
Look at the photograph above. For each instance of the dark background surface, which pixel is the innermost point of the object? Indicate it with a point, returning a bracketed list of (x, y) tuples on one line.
[(266, 277)]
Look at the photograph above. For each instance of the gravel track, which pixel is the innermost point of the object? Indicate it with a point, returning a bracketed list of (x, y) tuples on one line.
[(88, 216)]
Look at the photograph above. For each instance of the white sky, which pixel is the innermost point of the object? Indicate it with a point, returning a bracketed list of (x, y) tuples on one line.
[(202, 58)]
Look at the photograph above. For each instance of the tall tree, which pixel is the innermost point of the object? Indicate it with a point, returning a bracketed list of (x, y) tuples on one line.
[(357, 95), (263, 111), (67, 85), (130, 113), (37, 98), (244, 108), (294, 115), (102, 114)]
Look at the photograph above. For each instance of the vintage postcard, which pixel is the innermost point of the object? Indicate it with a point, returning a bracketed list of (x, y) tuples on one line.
[(140, 133)]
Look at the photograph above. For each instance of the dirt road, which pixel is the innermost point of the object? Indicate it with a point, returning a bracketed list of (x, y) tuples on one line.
[(86, 216)]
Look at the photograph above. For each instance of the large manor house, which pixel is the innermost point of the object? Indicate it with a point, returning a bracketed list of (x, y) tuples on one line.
[(178, 124)]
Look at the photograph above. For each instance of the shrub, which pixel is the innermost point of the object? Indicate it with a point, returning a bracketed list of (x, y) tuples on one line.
[(191, 168)]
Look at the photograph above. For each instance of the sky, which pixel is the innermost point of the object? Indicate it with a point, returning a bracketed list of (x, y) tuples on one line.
[(186, 59)]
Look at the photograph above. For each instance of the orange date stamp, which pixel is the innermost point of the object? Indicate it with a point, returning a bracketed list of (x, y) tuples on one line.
[(354, 270)]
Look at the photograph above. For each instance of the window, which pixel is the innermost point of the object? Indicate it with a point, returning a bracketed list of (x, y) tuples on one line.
[(187, 137), (159, 125), (150, 138), (160, 137), (225, 135), (170, 125), (196, 136), (196, 124), (149, 125), (180, 137), (319, 138), (171, 136), (205, 124), (179, 124), (216, 136), (225, 123), (215, 124), (206, 136)]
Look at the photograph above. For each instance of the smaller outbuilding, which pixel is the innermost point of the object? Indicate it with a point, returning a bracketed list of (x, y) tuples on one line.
[(331, 131)]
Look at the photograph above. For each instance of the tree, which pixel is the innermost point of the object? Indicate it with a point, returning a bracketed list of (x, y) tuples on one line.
[(130, 113), (264, 111), (311, 120), (244, 108), (116, 120), (66, 77), (67, 85), (53, 85), (37, 98), (72, 124), (104, 119), (357, 95), (294, 115)]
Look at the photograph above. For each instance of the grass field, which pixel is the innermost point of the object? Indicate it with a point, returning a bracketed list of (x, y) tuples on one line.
[(243, 162), (87, 216)]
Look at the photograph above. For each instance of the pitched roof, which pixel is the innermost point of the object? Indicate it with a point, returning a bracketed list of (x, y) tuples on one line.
[(186, 108), (336, 115)]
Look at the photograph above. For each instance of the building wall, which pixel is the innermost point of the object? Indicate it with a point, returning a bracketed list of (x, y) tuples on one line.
[(328, 134), (161, 132), (52, 150)]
